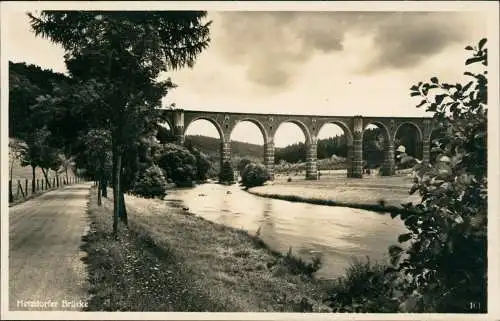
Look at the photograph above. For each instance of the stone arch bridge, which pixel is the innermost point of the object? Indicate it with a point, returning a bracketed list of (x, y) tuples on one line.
[(353, 127)]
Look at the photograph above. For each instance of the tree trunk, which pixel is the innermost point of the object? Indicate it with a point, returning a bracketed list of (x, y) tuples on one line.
[(114, 179), (33, 178), (99, 200), (12, 167), (117, 194), (104, 181), (123, 208), (44, 171), (67, 177)]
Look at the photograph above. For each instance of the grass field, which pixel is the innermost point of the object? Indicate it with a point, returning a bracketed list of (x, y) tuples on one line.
[(335, 188), (22, 173)]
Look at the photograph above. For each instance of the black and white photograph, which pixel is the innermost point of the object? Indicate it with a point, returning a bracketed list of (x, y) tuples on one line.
[(273, 160)]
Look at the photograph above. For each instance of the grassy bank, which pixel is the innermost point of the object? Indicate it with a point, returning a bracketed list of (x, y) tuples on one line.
[(170, 260), (373, 193)]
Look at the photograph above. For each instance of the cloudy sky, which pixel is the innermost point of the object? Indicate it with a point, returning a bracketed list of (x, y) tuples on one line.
[(323, 63)]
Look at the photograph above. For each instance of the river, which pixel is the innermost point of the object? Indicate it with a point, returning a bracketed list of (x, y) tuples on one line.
[(338, 234)]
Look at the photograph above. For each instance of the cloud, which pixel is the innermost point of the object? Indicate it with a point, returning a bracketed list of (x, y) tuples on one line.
[(273, 46)]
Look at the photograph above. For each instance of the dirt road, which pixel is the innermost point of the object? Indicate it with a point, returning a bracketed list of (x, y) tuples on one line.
[(46, 272)]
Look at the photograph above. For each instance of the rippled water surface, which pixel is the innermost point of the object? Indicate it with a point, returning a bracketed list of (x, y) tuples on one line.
[(338, 233)]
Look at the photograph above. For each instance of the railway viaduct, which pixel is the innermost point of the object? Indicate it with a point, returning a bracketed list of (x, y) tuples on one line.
[(353, 127)]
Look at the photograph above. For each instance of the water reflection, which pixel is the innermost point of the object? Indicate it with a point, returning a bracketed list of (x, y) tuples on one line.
[(338, 233)]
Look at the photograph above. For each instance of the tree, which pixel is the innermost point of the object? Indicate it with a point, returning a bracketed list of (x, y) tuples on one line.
[(445, 263), (178, 163), (98, 158), (38, 153), (66, 163), (254, 175), (242, 164), (121, 54), (203, 164), (16, 149), (151, 183)]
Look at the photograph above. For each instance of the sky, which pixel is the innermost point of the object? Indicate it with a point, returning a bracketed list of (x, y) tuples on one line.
[(322, 63)]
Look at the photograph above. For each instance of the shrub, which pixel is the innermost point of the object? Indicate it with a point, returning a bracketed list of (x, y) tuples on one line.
[(151, 183), (365, 287), (299, 266), (242, 164), (178, 163), (254, 175), (227, 173), (445, 262), (203, 164)]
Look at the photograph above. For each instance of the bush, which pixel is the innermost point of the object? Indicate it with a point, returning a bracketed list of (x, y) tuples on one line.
[(151, 183), (254, 175), (365, 287), (298, 266), (227, 173), (446, 263), (178, 163), (242, 164)]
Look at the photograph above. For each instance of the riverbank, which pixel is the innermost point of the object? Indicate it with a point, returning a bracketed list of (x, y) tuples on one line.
[(374, 193), (170, 260)]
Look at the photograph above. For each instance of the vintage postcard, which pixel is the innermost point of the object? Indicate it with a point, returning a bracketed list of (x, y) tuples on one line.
[(250, 160)]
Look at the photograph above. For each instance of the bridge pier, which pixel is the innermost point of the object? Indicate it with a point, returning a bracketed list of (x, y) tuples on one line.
[(357, 144), (225, 152), (426, 151), (269, 159), (178, 126), (350, 156), (388, 168), (311, 164)]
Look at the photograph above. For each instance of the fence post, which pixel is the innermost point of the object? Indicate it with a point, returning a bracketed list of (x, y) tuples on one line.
[(26, 186), (19, 186)]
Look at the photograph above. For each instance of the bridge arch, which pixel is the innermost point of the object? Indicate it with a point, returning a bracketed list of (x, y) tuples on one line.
[(305, 130), (420, 135), (417, 142), (207, 118), (342, 125), (254, 121), (385, 160)]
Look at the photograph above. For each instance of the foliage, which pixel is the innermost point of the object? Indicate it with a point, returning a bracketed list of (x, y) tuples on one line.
[(297, 265), (204, 166), (226, 174), (365, 287), (178, 163), (445, 262), (66, 163), (242, 164), (151, 183), (254, 175), (17, 148), (98, 151)]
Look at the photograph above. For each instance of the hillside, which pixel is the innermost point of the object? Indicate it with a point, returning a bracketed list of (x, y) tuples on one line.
[(211, 147)]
